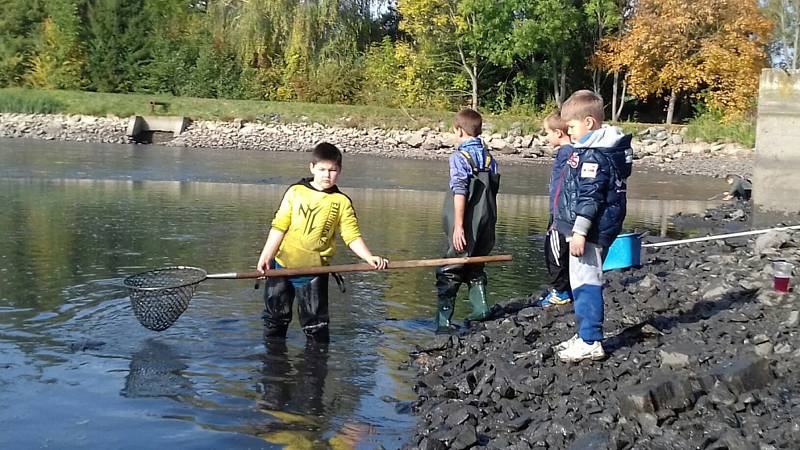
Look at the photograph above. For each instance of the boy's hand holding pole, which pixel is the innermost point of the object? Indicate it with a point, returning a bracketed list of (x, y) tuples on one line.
[(360, 248)]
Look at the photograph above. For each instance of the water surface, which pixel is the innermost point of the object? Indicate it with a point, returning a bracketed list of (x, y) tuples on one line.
[(78, 371)]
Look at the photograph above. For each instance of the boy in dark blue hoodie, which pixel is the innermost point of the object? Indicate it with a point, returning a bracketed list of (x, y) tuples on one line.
[(556, 248), (590, 210)]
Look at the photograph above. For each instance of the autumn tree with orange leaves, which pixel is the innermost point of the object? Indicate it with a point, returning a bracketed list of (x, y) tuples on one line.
[(710, 49)]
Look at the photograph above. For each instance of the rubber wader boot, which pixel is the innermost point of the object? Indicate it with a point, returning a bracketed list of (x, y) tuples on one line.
[(477, 299), (444, 313)]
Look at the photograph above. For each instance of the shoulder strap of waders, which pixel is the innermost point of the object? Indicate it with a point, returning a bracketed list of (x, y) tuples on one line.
[(486, 162)]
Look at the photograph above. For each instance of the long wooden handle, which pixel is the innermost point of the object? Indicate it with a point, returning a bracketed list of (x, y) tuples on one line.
[(363, 267)]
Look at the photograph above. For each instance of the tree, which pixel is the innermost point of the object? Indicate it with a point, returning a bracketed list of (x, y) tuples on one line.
[(545, 32), (786, 43), (20, 22), (607, 18), (117, 46), (463, 31), (712, 49), (58, 59)]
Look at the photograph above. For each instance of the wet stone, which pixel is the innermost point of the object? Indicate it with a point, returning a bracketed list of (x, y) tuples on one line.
[(682, 371), (745, 374)]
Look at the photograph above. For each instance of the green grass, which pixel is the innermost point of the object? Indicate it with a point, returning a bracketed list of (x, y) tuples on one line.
[(354, 116), (28, 102), (710, 127)]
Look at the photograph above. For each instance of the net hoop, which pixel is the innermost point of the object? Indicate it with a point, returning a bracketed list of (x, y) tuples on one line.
[(165, 278)]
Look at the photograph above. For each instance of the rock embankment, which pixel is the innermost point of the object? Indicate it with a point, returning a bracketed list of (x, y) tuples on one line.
[(655, 147), (703, 353)]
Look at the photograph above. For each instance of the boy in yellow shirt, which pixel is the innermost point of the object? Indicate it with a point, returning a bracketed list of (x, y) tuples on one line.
[(302, 235)]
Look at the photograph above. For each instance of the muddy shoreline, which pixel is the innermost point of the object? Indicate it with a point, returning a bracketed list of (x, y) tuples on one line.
[(703, 353), (654, 149)]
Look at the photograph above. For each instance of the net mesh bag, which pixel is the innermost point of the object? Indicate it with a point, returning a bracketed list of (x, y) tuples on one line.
[(159, 297)]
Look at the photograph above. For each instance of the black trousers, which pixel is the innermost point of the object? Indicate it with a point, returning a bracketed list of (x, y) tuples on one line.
[(450, 278), (556, 259), (312, 307)]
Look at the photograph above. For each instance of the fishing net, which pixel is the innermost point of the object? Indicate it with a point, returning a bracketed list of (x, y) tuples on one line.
[(159, 297)]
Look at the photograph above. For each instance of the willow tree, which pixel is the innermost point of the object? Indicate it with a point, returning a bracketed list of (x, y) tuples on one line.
[(712, 49), (292, 34)]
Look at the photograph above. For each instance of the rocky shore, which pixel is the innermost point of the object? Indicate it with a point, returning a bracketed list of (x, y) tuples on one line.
[(655, 148), (703, 354)]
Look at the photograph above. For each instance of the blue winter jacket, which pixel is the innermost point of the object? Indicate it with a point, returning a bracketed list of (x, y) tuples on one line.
[(593, 198), (562, 155)]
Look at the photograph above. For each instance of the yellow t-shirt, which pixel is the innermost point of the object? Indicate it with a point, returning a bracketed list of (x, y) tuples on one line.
[(309, 218)]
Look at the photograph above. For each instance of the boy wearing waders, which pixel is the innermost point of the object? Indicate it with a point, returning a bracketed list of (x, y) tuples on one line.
[(470, 214), (303, 235), (590, 209), (556, 248)]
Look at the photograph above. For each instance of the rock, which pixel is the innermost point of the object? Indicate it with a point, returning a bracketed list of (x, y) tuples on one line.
[(743, 375), (793, 320), (764, 349), (675, 356), (85, 345), (771, 240), (415, 140), (598, 440)]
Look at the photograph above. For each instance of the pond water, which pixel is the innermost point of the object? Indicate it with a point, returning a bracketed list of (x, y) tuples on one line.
[(78, 371)]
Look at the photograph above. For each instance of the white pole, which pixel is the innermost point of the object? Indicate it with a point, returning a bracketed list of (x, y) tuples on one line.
[(720, 236)]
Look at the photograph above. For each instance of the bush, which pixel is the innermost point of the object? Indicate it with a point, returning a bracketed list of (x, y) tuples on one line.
[(713, 126), (28, 102)]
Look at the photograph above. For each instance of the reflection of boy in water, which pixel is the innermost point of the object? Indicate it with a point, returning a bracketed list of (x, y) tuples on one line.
[(303, 235), (294, 387)]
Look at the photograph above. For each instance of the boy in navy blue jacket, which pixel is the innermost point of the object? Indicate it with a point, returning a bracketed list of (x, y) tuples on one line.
[(556, 249), (590, 210)]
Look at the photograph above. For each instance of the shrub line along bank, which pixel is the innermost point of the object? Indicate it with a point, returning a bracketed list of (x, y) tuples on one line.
[(655, 147)]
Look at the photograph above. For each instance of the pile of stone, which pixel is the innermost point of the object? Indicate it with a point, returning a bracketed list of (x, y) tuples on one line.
[(654, 147), (703, 353), (78, 128)]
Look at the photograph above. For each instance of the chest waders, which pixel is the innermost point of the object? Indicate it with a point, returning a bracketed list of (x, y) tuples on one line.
[(480, 217)]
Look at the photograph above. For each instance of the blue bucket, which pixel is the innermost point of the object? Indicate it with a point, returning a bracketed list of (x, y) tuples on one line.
[(625, 251)]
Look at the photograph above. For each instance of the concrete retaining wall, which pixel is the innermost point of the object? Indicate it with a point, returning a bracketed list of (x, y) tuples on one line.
[(776, 178)]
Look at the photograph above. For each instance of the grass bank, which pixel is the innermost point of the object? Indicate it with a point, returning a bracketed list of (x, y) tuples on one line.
[(123, 105)]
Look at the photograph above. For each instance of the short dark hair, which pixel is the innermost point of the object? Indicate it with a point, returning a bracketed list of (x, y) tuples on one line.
[(325, 151), (470, 121), (582, 104), (555, 122)]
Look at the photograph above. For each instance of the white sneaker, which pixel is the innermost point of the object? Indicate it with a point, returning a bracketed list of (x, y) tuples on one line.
[(579, 350), (565, 344)]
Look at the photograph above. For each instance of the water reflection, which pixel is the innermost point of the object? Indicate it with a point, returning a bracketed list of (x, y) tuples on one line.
[(156, 371), (294, 385), (77, 219)]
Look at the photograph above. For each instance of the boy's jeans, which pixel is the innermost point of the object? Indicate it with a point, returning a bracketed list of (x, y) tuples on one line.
[(586, 279)]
